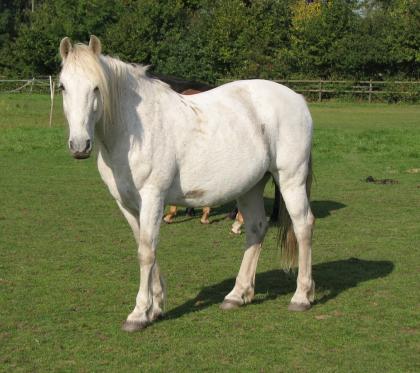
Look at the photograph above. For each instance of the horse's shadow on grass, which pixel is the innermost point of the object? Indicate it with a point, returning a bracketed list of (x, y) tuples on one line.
[(331, 279), (321, 209)]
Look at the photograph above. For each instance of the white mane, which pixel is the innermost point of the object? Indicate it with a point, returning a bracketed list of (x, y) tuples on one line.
[(111, 75)]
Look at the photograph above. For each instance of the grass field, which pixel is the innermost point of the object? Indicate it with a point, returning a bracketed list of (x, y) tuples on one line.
[(69, 273)]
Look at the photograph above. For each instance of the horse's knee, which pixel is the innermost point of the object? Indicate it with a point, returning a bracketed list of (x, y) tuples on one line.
[(258, 230)]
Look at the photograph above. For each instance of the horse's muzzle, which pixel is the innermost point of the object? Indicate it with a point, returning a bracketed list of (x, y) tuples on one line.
[(80, 152), (79, 155)]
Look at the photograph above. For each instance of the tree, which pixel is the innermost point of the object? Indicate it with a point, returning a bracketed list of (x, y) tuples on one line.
[(12, 13), (403, 37), (234, 39), (320, 33), (36, 47), (212, 40)]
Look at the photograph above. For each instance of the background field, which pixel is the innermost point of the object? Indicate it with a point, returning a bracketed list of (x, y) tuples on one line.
[(69, 273)]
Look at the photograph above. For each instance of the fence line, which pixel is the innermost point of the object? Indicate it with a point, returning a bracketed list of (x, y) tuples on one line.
[(319, 89), (33, 85), (313, 89), (363, 87)]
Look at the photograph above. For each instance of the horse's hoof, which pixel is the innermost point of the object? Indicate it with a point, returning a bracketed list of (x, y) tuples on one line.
[(167, 220), (299, 307), (204, 221), (230, 304), (134, 326)]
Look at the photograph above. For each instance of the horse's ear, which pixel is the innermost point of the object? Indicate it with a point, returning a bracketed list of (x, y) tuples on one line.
[(65, 47), (95, 45)]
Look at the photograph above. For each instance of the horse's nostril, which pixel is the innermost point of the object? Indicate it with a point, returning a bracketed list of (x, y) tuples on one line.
[(87, 145)]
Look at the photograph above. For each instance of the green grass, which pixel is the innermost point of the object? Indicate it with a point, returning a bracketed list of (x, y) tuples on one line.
[(69, 273)]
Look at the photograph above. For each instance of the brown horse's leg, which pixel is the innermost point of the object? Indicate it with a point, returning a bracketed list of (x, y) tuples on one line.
[(169, 217), (189, 211), (239, 221), (205, 217), (233, 213)]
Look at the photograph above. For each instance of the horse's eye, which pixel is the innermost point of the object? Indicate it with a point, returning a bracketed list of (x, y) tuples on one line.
[(96, 89), (61, 87)]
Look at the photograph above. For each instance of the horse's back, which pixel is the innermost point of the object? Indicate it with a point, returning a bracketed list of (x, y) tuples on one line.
[(263, 100), (277, 114)]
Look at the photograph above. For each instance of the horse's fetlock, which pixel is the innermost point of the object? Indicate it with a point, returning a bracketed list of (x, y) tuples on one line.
[(311, 294), (306, 284), (248, 295)]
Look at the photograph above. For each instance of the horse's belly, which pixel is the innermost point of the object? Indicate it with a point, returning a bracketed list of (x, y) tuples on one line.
[(217, 181)]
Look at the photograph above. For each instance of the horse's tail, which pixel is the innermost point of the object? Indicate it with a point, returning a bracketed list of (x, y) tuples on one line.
[(286, 235)]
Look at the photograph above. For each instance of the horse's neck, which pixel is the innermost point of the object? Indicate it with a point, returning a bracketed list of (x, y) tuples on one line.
[(135, 114), (112, 133), (109, 134)]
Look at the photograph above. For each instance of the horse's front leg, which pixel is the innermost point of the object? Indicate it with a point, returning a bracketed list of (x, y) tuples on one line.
[(133, 219), (145, 310)]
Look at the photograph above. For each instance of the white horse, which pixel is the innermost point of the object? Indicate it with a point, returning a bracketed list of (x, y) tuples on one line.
[(156, 147)]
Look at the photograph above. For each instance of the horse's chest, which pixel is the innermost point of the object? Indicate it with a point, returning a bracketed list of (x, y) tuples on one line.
[(120, 184), (123, 190)]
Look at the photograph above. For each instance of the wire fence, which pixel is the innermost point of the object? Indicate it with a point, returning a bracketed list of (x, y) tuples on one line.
[(366, 90), (313, 90), (33, 85)]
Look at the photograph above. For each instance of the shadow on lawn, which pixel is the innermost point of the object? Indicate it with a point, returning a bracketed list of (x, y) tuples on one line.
[(331, 278), (321, 209)]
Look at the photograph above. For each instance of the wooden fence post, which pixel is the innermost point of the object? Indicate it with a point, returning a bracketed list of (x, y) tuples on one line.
[(52, 89), (320, 91), (370, 90)]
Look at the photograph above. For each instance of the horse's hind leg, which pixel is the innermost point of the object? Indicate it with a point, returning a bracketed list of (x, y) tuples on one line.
[(169, 217), (205, 217), (297, 203), (251, 206), (238, 223)]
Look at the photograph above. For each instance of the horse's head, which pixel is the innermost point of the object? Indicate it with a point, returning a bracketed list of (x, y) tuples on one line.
[(83, 84)]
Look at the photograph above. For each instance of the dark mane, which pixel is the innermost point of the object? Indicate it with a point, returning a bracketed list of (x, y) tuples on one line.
[(178, 84)]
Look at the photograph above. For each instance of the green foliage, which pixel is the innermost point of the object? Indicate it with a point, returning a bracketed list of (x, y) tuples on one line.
[(36, 47), (318, 41), (143, 26), (216, 40), (202, 40), (404, 38), (12, 13)]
